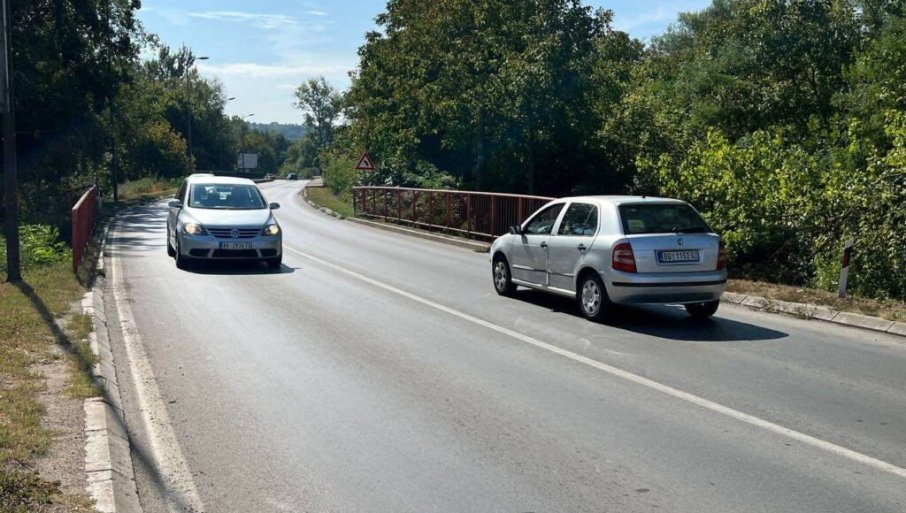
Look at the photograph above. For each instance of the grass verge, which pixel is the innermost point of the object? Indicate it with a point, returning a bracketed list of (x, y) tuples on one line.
[(28, 332), (323, 197), (146, 188), (886, 309)]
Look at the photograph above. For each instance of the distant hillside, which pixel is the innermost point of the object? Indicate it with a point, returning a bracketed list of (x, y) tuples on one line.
[(291, 132)]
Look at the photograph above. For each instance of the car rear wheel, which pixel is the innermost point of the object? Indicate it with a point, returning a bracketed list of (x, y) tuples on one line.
[(503, 282), (592, 297), (275, 263), (702, 310)]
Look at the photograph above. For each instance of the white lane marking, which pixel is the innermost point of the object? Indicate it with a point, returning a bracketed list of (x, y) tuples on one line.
[(179, 491), (629, 376)]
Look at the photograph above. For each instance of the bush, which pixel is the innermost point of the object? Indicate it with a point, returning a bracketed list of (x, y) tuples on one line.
[(146, 186), (39, 246)]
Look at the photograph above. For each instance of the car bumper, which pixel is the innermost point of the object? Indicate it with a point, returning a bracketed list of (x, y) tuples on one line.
[(674, 288), (206, 247)]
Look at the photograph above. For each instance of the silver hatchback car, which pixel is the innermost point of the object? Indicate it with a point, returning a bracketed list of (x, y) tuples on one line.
[(222, 218), (606, 250)]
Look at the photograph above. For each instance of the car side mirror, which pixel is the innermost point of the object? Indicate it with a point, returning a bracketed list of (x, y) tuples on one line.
[(175, 204), (274, 206), (515, 229)]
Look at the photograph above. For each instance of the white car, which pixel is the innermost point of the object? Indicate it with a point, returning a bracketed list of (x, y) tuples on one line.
[(222, 218), (606, 250)]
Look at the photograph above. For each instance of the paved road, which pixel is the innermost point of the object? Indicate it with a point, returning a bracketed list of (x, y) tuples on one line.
[(378, 373)]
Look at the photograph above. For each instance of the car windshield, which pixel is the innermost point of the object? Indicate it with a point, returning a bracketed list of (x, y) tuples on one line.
[(226, 197), (661, 218)]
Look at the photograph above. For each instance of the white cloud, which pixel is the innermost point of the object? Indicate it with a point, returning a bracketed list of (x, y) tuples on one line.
[(257, 20), (255, 70), (318, 13)]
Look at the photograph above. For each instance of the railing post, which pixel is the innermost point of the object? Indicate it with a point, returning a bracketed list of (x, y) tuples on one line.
[(493, 227), (430, 207), (414, 206), (519, 211), (448, 209), (399, 205), (468, 213)]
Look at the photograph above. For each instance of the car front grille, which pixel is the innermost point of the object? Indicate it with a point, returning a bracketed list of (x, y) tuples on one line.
[(234, 253), (227, 233)]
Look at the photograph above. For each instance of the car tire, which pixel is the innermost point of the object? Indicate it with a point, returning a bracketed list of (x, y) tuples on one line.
[(275, 263), (592, 298), (181, 261), (702, 311), (502, 277), (170, 251)]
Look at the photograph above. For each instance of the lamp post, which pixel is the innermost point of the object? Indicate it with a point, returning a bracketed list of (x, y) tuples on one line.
[(189, 111), (10, 183)]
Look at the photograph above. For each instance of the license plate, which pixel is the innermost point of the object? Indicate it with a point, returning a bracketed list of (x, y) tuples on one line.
[(677, 257), (236, 245)]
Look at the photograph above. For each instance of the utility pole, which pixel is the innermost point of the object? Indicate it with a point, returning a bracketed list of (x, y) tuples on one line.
[(10, 180), (189, 110), (114, 160)]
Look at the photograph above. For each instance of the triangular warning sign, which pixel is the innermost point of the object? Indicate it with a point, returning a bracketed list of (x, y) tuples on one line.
[(365, 163)]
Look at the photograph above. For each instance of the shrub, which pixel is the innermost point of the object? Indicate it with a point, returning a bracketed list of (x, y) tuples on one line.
[(39, 246)]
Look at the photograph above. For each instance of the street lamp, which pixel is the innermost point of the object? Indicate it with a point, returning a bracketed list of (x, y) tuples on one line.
[(189, 110), (242, 138)]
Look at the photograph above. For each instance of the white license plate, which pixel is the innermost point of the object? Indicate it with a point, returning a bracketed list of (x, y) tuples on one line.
[(236, 245), (677, 257)]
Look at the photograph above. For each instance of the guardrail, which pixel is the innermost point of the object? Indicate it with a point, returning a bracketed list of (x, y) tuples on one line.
[(84, 215), (476, 214)]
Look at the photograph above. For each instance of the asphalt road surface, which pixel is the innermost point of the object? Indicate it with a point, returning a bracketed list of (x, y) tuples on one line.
[(381, 373)]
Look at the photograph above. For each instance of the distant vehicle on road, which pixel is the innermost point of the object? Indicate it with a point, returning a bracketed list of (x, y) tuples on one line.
[(269, 176), (292, 176), (607, 250), (222, 218)]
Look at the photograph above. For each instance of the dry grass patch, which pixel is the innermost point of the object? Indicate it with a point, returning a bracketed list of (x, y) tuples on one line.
[(322, 197), (887, 309)]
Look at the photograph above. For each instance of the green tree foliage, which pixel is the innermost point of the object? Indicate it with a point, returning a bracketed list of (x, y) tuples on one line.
[(498, 94)]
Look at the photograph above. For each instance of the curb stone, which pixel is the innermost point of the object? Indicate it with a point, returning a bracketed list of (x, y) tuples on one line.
[(819, 312), (108, 458)]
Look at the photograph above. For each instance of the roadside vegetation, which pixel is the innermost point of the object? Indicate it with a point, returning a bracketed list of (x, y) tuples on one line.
[(38, 326), (324, 197)]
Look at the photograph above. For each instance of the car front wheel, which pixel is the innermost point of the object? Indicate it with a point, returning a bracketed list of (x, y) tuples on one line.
[(593, 301), (702, 310), (181, 261), (170, 251), (503, 282), (275, 263)]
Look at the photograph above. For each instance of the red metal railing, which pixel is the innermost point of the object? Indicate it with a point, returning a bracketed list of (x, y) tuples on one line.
[(478, 214), (84, 215)]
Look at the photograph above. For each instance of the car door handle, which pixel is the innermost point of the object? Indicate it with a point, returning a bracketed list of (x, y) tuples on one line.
[(543, 245), (581, 247)]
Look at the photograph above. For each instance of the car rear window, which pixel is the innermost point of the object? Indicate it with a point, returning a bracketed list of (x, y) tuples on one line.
[(661, 218)]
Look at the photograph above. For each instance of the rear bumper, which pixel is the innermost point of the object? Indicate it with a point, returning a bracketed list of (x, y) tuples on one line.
[(675, 288), (206, 247)]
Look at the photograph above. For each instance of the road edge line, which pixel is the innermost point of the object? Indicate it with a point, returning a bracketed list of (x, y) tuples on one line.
[(629, 376), (180, 492)]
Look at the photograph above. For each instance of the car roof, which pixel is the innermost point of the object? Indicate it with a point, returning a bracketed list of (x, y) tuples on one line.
[(619, 200), (218, 180)]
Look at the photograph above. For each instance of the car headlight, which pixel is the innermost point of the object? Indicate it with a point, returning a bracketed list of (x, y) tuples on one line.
[(271, 229), (193, 229)]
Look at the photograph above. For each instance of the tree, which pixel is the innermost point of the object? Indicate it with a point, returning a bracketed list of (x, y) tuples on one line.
[(321, 104)]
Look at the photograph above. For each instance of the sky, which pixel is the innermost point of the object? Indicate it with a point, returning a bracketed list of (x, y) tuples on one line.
[(261, 50)]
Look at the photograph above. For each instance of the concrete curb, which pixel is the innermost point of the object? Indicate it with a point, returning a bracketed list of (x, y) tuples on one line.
[(821, 313), (108, 458)]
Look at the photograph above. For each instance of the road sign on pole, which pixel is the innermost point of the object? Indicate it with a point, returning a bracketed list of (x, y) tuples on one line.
[(365, 163)]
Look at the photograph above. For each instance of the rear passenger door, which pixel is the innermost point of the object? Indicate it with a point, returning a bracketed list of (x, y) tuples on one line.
[(573, 239)]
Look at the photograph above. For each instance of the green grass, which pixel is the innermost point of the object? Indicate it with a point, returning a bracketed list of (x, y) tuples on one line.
[(146, 188), (28, 334), (322, 196)]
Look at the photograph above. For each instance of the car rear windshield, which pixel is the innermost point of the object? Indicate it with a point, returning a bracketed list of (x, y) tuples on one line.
[(661, 218), (226, 197)]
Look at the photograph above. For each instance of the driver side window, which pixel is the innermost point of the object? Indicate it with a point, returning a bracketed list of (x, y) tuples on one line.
[(543, 223)]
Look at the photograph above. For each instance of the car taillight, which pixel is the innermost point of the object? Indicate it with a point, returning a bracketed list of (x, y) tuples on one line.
[(721, 257), (623, 258)]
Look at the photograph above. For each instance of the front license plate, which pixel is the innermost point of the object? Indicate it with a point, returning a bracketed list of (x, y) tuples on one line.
[(677, 257), (236, 245)]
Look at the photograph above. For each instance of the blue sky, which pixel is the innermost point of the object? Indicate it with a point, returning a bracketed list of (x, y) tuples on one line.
[(262, 50)]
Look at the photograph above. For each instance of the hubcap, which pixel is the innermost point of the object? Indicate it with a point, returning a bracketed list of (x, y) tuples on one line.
[(591, 297), (500, 275)]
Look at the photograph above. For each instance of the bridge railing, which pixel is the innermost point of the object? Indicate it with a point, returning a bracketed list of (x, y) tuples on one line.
[(476, 214), (84, 215)]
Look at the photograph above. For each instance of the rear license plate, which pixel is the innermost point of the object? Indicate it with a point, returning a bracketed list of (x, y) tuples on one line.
[(677, 257), (236, 245)]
